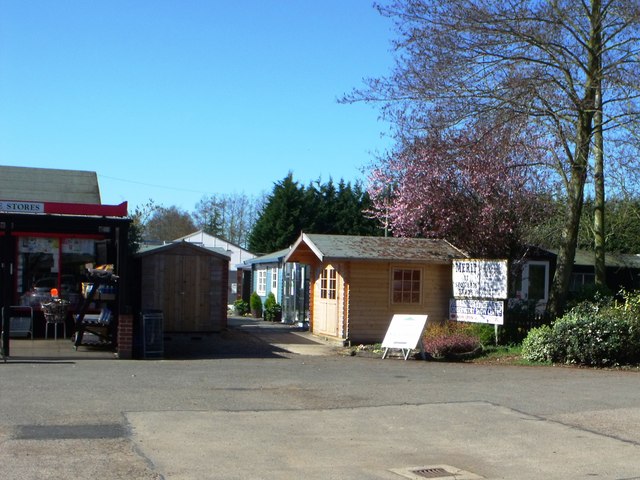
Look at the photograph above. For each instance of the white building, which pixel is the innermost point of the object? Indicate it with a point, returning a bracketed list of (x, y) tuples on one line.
[(238, 256)]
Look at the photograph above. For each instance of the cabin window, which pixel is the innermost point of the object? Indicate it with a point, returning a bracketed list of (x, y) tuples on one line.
[(581, 280), (274, 281), (533, 283), (261, 286), (406, 285), (328, 283)]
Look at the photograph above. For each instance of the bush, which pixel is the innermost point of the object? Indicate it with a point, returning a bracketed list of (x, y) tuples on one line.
[(270, 301), (589, 294), (256, 305), (600, 332), (485, 333), (241, 307), (538, 345), (450, 340), (520, 317), (272, 309), (599, 339)]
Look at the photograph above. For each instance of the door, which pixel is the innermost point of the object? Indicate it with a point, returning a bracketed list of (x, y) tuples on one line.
[(533, 284), (188, 295), (326, 319), (198, 299), (6, 282)]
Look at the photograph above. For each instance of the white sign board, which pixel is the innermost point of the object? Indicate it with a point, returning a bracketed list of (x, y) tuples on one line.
[(21, 207), (480, 279), (405, 333), (477, 311)]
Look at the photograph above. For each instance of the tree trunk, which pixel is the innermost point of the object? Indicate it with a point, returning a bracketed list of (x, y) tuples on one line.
[(575, 200), (578, 174), (598, 179)]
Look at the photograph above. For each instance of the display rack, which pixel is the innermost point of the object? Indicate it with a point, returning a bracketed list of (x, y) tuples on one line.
[(101, 287)]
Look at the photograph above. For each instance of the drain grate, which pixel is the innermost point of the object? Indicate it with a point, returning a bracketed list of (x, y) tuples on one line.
[(439, 472), (436, 472)]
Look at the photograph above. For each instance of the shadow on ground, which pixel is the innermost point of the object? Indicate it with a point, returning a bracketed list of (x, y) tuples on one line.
[(230, 343), (244, 338)]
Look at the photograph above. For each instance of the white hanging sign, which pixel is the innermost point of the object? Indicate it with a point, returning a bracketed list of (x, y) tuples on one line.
[(480, 279), (477, 311)]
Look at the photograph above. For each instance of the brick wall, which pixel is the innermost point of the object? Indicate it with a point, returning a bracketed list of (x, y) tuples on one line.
[(125, 337)]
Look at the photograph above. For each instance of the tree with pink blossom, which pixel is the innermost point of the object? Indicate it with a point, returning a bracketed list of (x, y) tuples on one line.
[(476, 188)]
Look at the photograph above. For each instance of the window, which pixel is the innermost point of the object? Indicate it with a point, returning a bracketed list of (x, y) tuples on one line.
[(44, 263), (274, 282), (406, 286), (580, 280), (261, 286), (533, 284), (328, 283)]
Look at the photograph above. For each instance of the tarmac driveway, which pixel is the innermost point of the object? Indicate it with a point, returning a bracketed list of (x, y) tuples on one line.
[(271, 413)]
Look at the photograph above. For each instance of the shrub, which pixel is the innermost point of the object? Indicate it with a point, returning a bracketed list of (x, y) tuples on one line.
[(272, 309), (449, 340), (241, 307), (538, 345), (594, 294), (520, 317), (256, 305), (485, 333), (599, 340), (600, 332), (269, 301)]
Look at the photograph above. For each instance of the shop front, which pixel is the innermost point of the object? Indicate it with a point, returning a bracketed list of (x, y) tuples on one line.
[(46, 246)]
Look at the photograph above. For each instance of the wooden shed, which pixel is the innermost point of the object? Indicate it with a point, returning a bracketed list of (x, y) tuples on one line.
[(359, 283), (188, 283)]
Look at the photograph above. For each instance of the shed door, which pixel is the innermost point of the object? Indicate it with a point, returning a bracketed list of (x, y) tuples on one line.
[(188, 294), (327, 293)]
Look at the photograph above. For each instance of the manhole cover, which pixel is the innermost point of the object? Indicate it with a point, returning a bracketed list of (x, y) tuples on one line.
[(439, 472)]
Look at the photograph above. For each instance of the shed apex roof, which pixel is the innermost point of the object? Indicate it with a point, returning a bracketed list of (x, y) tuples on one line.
[(270, 257), (28, 184), (218, 252), (350, 247)]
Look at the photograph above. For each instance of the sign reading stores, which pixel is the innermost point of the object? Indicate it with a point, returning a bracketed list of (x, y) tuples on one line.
[(21, 207), (480, 279), (477, 311)]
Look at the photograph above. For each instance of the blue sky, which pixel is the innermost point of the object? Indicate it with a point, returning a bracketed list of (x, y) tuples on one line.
[(174, 100)]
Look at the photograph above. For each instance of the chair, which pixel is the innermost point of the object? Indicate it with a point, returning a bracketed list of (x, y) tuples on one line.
[(55, 313)]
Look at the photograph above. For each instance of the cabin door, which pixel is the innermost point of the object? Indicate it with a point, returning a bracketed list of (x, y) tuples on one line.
[(327, 292)]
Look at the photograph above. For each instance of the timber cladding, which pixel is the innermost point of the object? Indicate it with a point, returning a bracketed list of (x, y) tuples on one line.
[(189, 284), (361, 282), (370, 303)]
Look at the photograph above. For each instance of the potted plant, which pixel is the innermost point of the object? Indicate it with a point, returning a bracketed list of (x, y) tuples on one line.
[(241, 307), (272, 309), (255, 304)]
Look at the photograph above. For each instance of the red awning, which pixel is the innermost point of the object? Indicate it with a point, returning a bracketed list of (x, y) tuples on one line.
[(88, 209)]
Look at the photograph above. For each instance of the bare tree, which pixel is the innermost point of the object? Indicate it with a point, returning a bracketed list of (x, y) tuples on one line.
[(229, 216), (543, 61)]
